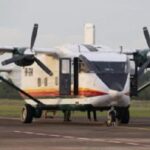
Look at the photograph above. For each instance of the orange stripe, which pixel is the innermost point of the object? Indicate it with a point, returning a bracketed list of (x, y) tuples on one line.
[(90, 92), (54, 92)]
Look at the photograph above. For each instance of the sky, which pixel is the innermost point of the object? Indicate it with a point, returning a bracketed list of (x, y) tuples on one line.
[(118, 22)]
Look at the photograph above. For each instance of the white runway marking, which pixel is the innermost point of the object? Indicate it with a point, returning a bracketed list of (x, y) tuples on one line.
[(54, 135), (17, 131), (68, 137), (29, 132), (83, 139), (135, 144), (115, 141), (41, 134)]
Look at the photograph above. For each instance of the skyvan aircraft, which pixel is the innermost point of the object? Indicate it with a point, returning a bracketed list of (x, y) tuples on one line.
[(79, 77)]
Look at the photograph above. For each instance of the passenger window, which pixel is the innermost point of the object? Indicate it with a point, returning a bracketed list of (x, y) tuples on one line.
[(45, 82), (39, 82), (28, 71)]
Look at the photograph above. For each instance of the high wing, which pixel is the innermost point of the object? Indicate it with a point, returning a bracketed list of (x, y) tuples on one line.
[(6, 70), (6, 49), (47, 51)]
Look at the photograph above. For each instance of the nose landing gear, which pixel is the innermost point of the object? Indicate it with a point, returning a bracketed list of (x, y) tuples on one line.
[(112, 117), (120, 115)]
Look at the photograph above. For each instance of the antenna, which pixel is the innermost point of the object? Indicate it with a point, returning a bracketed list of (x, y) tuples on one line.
[(121, 49)]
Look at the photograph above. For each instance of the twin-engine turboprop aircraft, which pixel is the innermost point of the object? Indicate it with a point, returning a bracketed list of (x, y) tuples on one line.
[(79, 77)]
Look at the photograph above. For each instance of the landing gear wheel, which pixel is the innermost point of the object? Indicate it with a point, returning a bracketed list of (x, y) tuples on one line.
[(27, 114), (123, 115)]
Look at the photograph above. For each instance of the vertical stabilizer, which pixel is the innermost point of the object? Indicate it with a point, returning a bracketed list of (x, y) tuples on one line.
[(89, 33)]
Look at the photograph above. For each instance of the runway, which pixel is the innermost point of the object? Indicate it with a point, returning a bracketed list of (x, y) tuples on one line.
[(80, 134)]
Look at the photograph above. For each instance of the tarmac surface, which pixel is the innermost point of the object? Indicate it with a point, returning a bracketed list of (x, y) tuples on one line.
[(79, 134)]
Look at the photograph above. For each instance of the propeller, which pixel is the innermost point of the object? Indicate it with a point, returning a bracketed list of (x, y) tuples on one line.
[(22, 59), (47, 70), (34, 34), (12, 60), (147, 36), (143, 56)]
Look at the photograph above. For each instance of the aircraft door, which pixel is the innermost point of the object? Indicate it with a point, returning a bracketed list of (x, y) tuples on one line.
[(65, 76)]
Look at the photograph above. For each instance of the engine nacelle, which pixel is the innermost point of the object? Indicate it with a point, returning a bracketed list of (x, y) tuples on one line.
[(26, 61), (142, 56)]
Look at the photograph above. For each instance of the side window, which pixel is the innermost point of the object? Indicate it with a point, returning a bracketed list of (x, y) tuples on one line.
[(28, 71), (83, 67), (39, 82), (45, 81), (56, 80), (65, 66)]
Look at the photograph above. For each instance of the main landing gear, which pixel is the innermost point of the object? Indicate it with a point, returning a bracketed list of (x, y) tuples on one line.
[(29, 112), (67, 115), (123, 115)]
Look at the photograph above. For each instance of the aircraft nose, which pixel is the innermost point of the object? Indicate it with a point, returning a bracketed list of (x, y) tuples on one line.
[(115, 94)]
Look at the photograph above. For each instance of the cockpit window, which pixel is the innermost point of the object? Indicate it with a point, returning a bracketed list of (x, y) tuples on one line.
[(91, 48), (109, 67), (113, 74)]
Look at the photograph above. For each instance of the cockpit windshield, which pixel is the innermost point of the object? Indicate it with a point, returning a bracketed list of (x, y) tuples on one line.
[(109, 67), (113, 74)]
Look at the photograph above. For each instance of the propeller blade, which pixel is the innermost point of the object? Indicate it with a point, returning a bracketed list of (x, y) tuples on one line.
[(34, 34), (147, 37), (143, 67), (45, 68), (12, 60)]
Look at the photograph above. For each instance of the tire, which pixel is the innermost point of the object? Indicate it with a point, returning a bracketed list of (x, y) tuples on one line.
[(27, 114), (123, 115)]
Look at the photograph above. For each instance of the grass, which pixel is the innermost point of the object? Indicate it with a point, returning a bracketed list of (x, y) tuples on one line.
[(12, 108), (140, 109)]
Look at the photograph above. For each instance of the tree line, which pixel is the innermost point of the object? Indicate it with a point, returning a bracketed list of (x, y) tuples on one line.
[(7, 92)]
